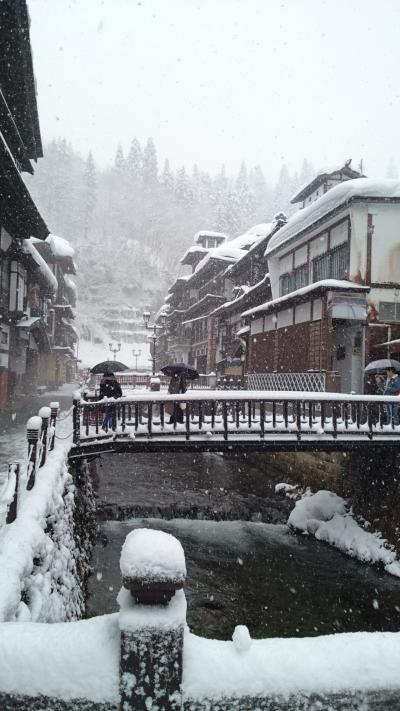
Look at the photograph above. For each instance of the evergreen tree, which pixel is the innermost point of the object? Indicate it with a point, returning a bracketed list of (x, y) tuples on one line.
[(134, 161), (242, 178), (183, 188), (119, 158), (167, 177), (90, 185), (150, 169)]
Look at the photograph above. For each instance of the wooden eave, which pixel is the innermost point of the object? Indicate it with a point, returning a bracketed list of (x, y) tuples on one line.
[(17, 80)]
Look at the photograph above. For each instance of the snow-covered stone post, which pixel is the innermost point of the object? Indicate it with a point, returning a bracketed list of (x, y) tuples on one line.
[(33, 429), (54, 407), (152, 619), (45, 414)]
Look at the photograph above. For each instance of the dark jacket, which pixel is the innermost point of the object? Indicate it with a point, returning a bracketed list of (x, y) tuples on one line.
[(392, 386), (110, 387)]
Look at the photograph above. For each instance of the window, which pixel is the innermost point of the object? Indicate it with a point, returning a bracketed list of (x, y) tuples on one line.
[(285, 284), (300, 276), (389, 311), (331, 265)]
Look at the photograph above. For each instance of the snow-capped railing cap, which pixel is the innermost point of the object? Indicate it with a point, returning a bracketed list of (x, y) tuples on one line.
[(45, 412), (34, 423), (55, 405), (152, 566), (77, 395)]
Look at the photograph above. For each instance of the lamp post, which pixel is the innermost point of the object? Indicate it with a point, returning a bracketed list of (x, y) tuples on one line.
[(114, 349), (136, 354), (154, 327)]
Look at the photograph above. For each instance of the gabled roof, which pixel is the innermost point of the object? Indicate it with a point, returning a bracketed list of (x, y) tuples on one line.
[(335, 199), (342, 172)]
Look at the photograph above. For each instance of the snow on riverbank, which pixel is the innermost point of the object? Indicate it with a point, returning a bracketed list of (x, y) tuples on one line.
[(326, 516), (34, 562)]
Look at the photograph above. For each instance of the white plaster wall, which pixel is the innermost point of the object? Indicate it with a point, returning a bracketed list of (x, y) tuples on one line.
[(385, 262), (257, 326)]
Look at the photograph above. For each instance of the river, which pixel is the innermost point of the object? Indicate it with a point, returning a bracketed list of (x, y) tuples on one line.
[(252, 571)]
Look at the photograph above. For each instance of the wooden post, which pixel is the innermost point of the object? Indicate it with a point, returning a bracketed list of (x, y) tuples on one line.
[(33, 428), (12, 509), (76, 418), (45, 414), (152, 620), (54, 407)]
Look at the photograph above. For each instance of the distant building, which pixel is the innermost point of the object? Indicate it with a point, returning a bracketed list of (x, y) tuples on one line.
[(335, 282)]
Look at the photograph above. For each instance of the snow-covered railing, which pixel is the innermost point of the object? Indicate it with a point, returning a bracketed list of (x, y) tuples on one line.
[(145, 657), (142, 380), (233, 415), (40, 436)]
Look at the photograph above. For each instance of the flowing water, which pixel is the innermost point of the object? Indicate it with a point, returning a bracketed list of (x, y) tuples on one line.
[(253, 572)]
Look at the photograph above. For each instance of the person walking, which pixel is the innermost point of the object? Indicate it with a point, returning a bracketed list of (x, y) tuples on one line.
[(177, 385), (109, 388), (392, 387)]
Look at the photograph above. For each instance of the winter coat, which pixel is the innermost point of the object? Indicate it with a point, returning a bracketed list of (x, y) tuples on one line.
[(110, 387), (392, 386), (176, 386)]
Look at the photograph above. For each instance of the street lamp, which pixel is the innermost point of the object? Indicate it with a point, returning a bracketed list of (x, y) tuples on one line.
[(136, 354), (154, 327), (114, 349)]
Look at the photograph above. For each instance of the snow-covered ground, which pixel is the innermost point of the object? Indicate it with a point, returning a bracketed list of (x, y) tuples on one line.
[(327, 517)]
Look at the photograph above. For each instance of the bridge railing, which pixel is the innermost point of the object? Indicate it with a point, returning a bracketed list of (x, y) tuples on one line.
[(236, 414)]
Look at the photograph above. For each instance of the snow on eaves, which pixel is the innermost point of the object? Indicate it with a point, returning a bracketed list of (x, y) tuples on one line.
[(44, 269), (194, 250), (236, 301), (340, 195), (60, 247), (335, 284)]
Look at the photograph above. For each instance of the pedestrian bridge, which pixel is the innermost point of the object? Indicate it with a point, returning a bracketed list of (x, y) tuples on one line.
[(215, 420)]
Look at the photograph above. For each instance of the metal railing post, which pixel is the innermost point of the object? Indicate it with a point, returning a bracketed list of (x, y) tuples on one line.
[(45, 414), (33, 429), (54, 407), (13, 507)]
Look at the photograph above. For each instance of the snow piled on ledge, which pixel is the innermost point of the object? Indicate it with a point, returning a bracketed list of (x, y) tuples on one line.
[(328, 664), (325, 516)]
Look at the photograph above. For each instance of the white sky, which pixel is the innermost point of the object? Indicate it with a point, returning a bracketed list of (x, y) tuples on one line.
[(215, 81)]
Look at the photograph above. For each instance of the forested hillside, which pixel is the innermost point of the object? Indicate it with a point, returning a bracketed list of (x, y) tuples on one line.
[(131, 222)]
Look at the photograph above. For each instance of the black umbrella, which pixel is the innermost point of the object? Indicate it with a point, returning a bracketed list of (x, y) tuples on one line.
[(109, 366), (187, 370)]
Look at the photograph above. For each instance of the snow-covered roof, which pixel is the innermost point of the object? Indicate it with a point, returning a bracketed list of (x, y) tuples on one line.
[(44, 269), (224, 253), (195, 250), (340, 195), (209, 233), (252, 236), (307, 188), (60, 247), (236, 301), (324, 284)]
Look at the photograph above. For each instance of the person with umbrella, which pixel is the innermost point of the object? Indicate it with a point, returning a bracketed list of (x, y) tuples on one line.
[(179, 373), (392, 387), (109, 388)]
